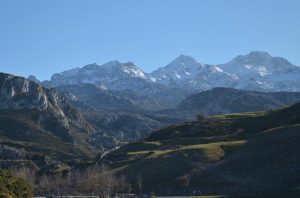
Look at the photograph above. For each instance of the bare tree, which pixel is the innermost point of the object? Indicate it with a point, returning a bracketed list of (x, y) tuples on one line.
[(44, 183), (185, 182), (122, 185), (139, 180), (26, 173), (96, 179), (91, 180)]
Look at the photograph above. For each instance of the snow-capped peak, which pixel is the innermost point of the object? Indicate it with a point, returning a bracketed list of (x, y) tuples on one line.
[(258, 63), (97, 74), (254, 57), (183, 62), (254, 70), (129, 68), (179, 69), (133, 70)]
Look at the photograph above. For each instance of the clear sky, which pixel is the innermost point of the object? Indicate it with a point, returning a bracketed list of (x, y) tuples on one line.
[(42, 37)]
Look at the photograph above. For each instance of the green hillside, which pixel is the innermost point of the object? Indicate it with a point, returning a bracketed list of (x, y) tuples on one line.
[(232, 154)]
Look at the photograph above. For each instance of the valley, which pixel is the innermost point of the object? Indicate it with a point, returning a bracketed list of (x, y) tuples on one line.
[(149, 99), (184, 129)]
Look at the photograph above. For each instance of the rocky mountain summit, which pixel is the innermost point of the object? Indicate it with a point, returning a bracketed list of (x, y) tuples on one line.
[(186, 73), (262, 72), (33, 78)]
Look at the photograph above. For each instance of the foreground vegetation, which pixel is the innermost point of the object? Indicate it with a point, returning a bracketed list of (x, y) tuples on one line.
[(91, 180), (11, 186)]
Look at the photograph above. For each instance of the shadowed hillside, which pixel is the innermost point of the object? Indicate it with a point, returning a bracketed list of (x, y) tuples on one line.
[(222, 100), (231, 154)]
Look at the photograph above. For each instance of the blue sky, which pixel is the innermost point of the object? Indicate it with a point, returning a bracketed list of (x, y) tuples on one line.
[(42, 37)]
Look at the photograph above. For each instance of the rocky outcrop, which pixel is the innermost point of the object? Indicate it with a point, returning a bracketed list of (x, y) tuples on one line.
[(48, 110)]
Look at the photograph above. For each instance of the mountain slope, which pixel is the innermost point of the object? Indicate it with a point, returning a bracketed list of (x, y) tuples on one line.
[(231, 154), (18, 94), (102, 99), (35, 120), (128, 116), (124, 114), (229, 100)]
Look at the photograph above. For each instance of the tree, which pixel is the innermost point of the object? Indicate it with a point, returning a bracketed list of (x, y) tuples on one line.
[(139, 180), (200, 117), (44, 183), (122, 185)]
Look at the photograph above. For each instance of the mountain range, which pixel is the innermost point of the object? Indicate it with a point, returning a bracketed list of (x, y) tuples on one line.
[(257, 71)]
